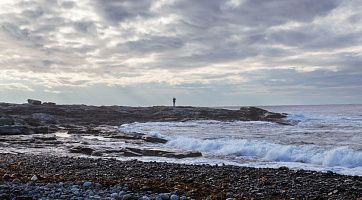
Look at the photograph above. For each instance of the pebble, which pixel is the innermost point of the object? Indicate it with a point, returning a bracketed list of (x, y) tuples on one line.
[(145, 198), (87, 184), (114, 195), (127, 196), (61, 190), (164, 196), (34, 178)]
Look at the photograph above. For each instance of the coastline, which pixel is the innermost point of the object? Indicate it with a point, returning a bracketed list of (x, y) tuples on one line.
[(192, 181), (65, 128)]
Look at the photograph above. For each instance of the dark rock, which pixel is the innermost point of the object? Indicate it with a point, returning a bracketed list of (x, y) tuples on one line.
[(5, 120), (40, 130), (13, 130), (160, 153), (49, 104), (44, 118), (153, 139), (34, 102), (115, 115), (181, 155), (82, 150)]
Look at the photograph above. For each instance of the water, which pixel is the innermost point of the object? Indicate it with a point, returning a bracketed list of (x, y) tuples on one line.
[(326, 138)]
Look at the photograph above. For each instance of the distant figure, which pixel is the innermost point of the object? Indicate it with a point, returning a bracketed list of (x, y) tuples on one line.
[(174, 101)]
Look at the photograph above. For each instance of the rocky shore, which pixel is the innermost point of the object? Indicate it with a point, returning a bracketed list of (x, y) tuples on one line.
[(50, 151), (87, 130), (50, 177), (48, 114)]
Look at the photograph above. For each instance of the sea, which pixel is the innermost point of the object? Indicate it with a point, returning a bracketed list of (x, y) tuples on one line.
[(325, 138)]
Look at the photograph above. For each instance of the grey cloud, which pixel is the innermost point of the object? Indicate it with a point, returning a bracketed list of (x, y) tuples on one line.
[(33, 13), (85, 27), (15, 32), (153, 44), (68, 4), (115, 11)]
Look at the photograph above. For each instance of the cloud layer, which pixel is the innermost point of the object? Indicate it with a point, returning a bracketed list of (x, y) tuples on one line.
[(240, 50)]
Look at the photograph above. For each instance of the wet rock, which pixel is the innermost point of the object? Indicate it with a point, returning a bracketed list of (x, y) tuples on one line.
[(180, 155), (82, 150), (153, 139), (128, 151), (174, 197)]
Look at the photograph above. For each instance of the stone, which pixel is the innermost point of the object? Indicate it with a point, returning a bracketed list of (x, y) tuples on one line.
[(87, 184), (174, 197), (114, 195), (34, 178), (34, 102), (6, 177), (16, 181), (164, 196), (145, 198), (127, 196)]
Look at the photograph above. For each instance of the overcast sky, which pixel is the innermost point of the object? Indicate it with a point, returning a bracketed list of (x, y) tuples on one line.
[(203, 52)]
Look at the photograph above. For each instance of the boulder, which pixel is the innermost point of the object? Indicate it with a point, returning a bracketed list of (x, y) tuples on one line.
[(34, 102)]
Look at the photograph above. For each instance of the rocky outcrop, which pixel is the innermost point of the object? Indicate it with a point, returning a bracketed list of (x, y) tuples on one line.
[(83, 115), (37, 119)]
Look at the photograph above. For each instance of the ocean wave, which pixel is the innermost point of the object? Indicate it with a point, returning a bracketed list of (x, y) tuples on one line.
[(311, 154)]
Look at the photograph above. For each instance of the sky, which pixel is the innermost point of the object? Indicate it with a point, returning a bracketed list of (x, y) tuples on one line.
[(203, 52)]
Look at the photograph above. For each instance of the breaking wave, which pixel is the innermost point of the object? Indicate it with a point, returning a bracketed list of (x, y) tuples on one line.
[(340, 156)]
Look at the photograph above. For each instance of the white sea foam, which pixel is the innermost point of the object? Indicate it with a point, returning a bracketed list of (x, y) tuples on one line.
[(341, 156), (326, 138)]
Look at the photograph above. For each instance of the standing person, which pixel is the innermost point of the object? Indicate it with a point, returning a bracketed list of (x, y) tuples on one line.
[(174, 101)]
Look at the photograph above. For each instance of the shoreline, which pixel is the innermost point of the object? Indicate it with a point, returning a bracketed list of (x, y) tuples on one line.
[(191, 181), (74, 130)]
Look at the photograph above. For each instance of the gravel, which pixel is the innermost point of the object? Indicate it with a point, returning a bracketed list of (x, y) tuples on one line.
[(67, 178)]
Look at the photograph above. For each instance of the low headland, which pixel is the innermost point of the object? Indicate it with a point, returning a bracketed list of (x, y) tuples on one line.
[(35, 162)]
